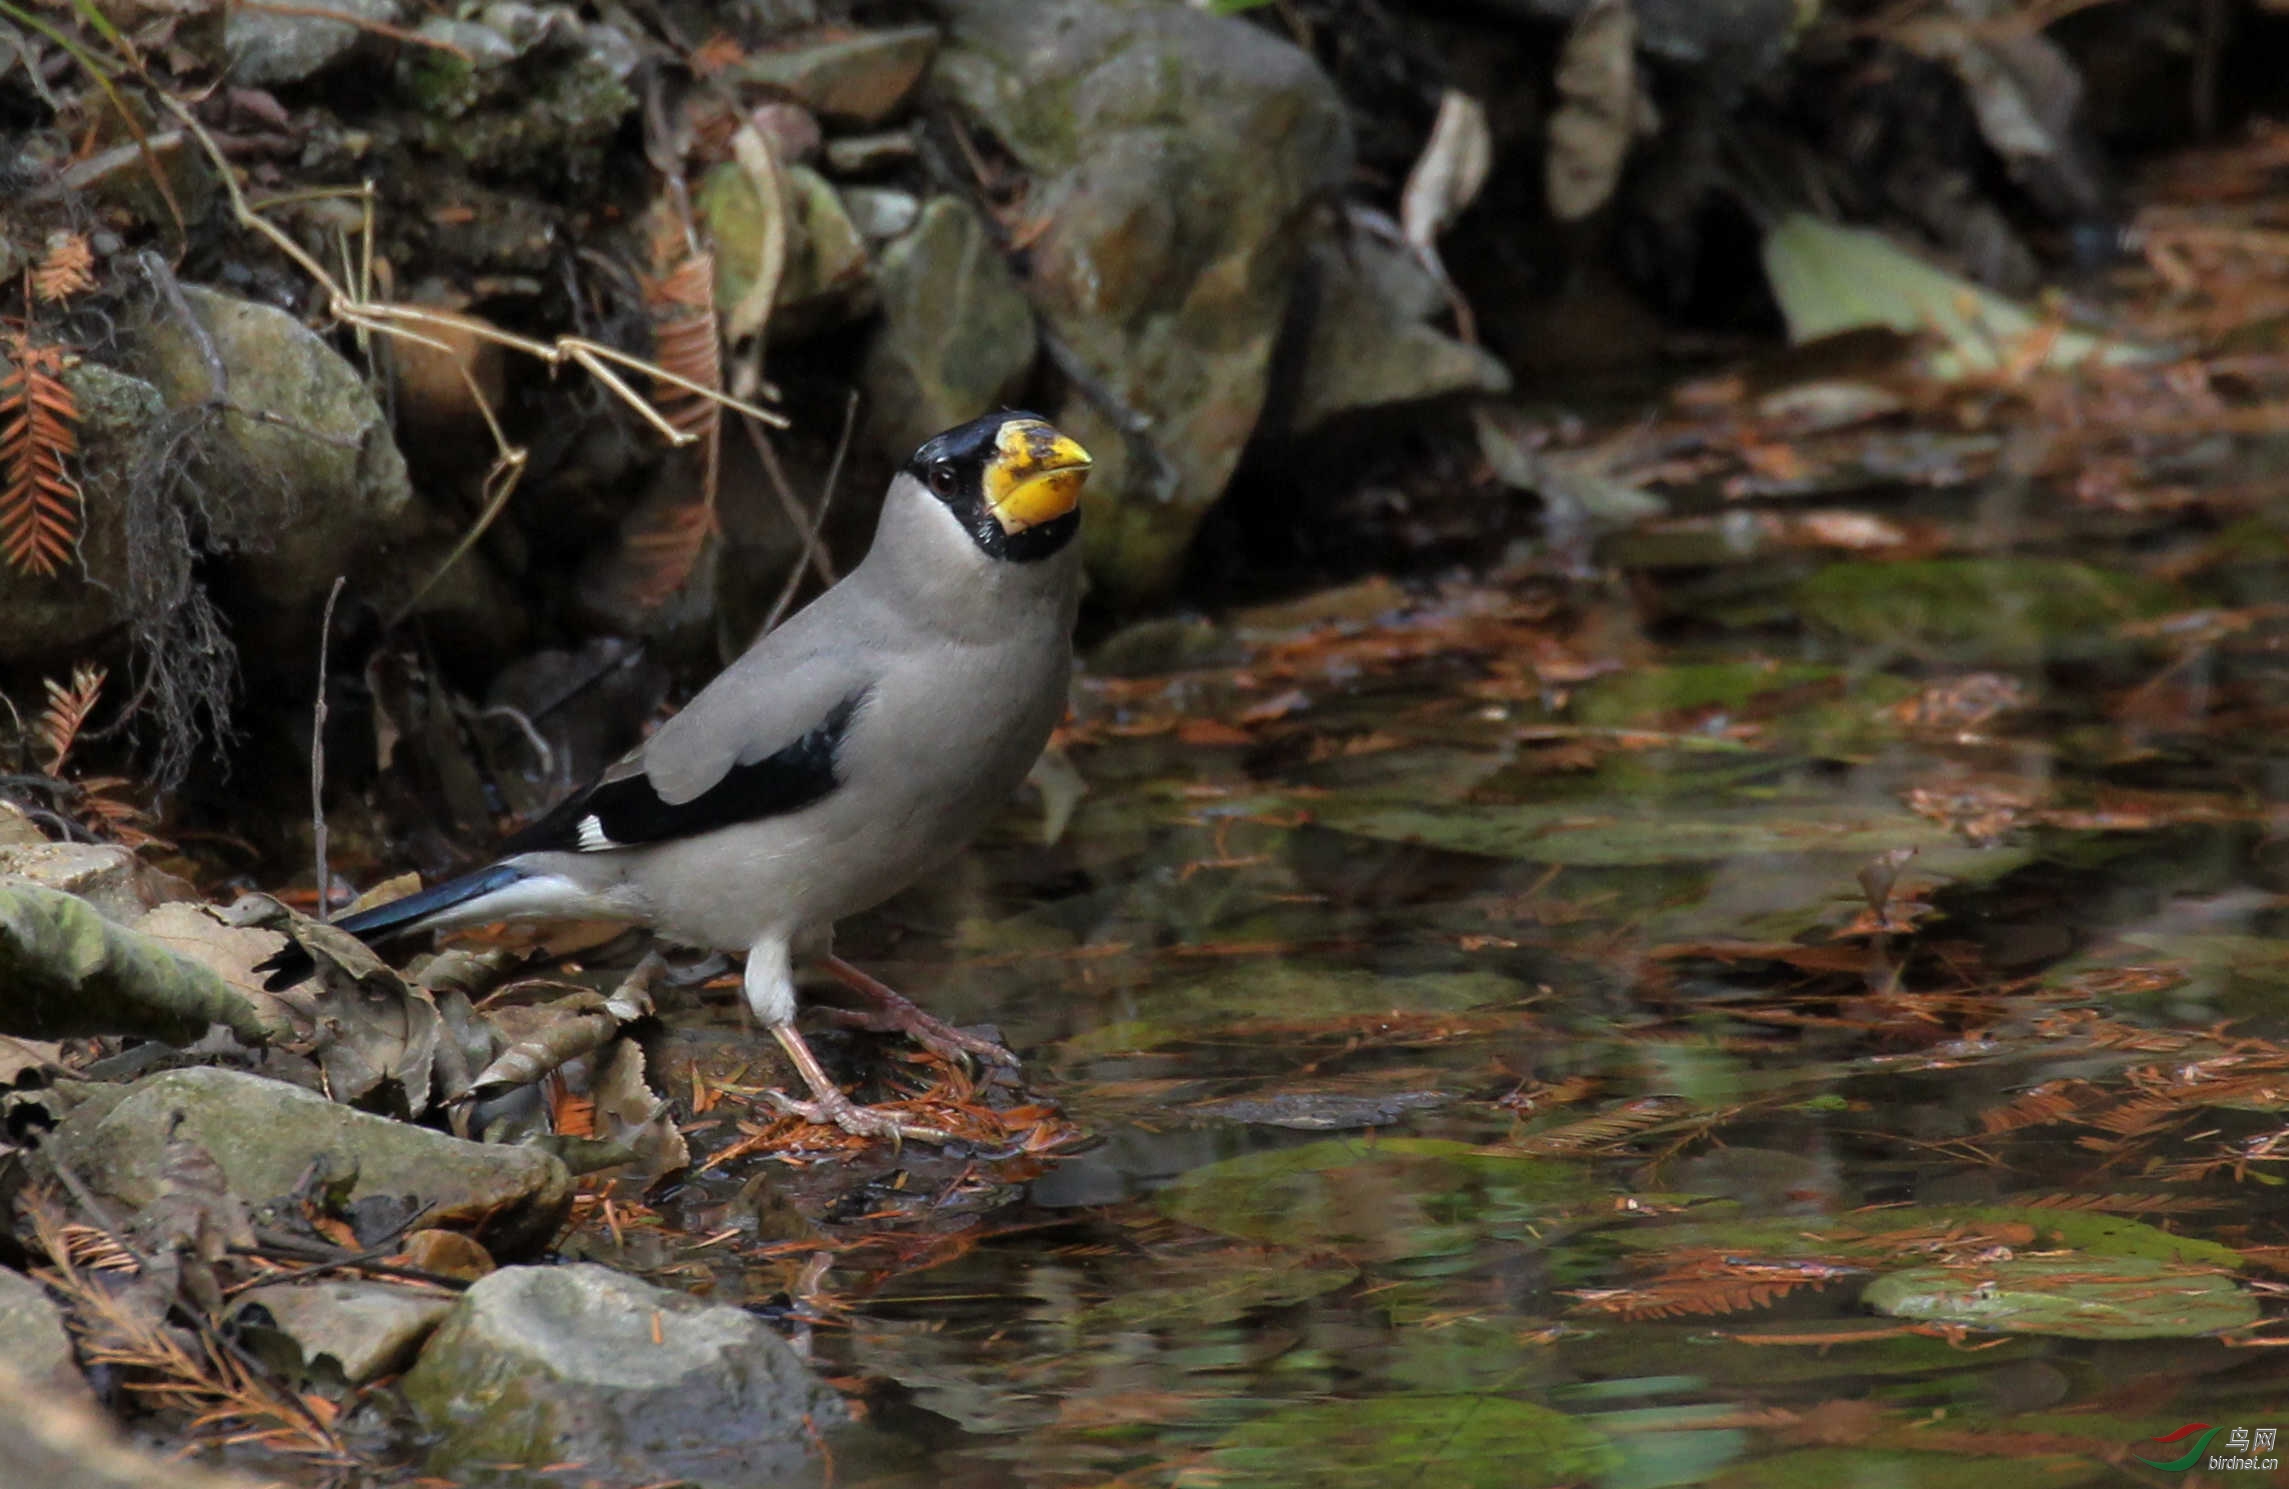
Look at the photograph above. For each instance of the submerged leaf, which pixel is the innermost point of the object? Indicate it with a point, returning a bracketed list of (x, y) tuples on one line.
[(2076, 1297), (1217, 1288), (1456, 1442), (1980, 609), (1397, 1197)]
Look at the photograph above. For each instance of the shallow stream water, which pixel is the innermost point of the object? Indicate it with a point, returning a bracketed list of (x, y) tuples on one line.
[(1768, 1018)]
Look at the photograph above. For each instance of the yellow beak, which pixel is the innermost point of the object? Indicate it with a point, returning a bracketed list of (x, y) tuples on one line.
[(1035, 475)]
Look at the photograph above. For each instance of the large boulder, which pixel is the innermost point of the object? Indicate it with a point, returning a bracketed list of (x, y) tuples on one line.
[(1174, 155), (542, 1365), (306, 478), (956, 337)]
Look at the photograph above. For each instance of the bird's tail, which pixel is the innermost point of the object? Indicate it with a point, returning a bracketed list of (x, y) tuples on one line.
[(399, 917)]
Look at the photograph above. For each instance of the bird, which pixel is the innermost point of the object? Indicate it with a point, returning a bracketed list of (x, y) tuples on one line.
[(842, 757)]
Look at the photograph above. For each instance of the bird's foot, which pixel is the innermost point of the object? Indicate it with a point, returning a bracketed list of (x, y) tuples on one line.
[(894, 1014), (832, 1107), (933, 1034)]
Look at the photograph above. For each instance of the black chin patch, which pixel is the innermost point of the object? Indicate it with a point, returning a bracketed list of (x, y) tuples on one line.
[(1030, 546)]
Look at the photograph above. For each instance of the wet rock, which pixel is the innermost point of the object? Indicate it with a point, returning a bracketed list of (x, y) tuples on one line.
[(267, 47), (826, 257), (824, 274), (956, 336), (1173, 154), (119, 885), (579, 1363), (57, 1442), (303, 495), (16, 829), (859, 79), (369, 1329), (530, 90), (1369, 345), (265, 1133), (32, 1338), (61, 616), (447, 1253)]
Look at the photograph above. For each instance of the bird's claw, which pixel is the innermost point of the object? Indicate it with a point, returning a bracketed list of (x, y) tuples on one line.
[(838, 1110), (933, 1034)]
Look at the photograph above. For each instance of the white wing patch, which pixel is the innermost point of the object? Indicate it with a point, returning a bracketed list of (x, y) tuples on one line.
[(593, 837)]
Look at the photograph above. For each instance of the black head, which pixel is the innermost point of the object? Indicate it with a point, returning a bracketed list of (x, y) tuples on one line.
[(1012, 481)]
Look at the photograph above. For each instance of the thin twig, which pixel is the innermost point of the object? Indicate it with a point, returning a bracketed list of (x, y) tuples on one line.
[(790, 504), (318, 753), (817, 522)]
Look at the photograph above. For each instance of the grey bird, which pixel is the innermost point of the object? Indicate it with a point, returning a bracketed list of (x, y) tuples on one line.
[(844, 755)]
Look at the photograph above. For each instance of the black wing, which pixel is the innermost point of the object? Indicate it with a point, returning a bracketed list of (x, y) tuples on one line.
[(625, 811)]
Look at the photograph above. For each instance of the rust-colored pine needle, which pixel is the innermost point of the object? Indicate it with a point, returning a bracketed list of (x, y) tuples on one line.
[(662, 541), (66, 713), (40, 502), (67, 269)]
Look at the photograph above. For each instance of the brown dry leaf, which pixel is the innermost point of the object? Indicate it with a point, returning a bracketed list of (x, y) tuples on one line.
[(198, 933), (543, 1039), (1835, 1424), (1212, 732), (366, 1025), (761, 164), (628, 1111), (715, 54), (195, 1219), (1448, 175)]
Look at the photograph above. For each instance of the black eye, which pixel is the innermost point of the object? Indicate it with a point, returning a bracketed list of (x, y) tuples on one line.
[(942, 478)]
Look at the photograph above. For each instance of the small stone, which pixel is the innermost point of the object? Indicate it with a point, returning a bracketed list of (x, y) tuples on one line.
[(32, 1338), (825, 275), (827, 258), (448, 1253), (264, 1133), (864, 154), (792, 129), (857, 79), (16, 829), (879, 212), (368, 1328), (581, 1364)]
